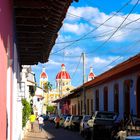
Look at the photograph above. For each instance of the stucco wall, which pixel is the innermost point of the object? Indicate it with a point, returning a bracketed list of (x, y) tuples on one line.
[(110, 86), (74, 101), (3, 70), (16, 100), (89, 96), (6, 27)]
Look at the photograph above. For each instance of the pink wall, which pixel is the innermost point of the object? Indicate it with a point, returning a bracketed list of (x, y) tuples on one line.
[(6, 27)]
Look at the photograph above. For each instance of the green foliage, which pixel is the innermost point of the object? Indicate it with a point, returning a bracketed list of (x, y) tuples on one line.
[(51, 109), (26, 111), (47, 86)]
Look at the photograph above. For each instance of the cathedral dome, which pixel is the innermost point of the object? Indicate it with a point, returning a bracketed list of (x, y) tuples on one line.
[(43, 74), (63, 74)]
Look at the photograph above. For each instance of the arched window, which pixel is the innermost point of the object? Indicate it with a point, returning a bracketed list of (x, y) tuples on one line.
[(105, 99), (97, 100), (127, 84), (116, 98)]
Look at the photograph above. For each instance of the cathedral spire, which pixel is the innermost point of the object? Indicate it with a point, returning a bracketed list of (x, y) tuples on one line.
[(63, 68), (91, 75), (43, 69)]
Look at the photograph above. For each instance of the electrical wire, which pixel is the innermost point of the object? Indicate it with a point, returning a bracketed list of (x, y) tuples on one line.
[(118, 27), (106, 25), (99, 6), (76, 67), (103, 33), (93, 52), (95, 28), (131, 47), (97, 36)]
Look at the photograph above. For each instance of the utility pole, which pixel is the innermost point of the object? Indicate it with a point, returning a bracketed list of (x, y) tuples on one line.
[(84, 76)]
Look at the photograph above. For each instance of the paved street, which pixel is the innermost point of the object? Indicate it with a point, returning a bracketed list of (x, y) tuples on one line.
[(60, 133), (51, 133)]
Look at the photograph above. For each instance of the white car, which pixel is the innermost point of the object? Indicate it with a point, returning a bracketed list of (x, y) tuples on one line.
[(83, 124), (66, 122)]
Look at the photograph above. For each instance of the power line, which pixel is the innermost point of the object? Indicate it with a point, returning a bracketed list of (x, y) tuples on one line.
[(120, 48), (87, 20), (100, 36), (77, 67), (96, 27), (91, 52), (99, 6), (118, 27), (131, 47), (103, 35), (97, 36)]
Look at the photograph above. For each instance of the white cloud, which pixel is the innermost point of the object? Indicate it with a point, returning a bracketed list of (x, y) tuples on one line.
[(134, 2), (37, 67), (87, 12), (62, 38), (95, 18), (75, 51), (77, 29), (99, 62), (53, 63)]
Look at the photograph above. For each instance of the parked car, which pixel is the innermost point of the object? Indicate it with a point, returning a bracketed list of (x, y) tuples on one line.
[(74, 123), (62, 119), (52, 117), (101, 126), (66, 122), (83, 123)]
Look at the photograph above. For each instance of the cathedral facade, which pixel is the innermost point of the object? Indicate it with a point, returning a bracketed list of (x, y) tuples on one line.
[(63, 86)]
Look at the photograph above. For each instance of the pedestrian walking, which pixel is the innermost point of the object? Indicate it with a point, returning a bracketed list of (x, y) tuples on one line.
[(40, 122), (57, 121), (32, 119)]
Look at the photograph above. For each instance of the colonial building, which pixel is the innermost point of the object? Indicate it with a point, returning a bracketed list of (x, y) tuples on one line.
[(63, 86), (78, 102), (118, 89)]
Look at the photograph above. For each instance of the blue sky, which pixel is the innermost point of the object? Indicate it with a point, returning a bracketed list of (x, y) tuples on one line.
[(102, 52)]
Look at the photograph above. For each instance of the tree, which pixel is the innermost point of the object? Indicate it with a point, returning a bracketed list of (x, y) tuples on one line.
[(26, 111), (51, 109), (47, 86)]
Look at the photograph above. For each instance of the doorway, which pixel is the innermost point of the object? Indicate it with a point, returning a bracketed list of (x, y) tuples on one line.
[(105, 99), (127, 98), (138, 97)]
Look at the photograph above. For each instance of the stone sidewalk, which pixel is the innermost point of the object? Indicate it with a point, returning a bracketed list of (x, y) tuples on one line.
[(37, 134)]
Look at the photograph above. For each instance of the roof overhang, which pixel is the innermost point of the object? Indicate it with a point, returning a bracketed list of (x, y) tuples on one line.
[(37, 25), (128, 67)]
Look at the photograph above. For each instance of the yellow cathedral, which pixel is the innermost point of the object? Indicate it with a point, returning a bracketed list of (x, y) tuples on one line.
[(63, 85)]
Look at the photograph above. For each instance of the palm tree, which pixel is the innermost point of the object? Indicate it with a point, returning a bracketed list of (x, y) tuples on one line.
[(47, 86)]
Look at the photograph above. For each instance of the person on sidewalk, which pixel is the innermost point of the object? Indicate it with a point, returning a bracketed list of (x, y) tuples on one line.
[(57, 121), (32, 119), (40, 122)]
